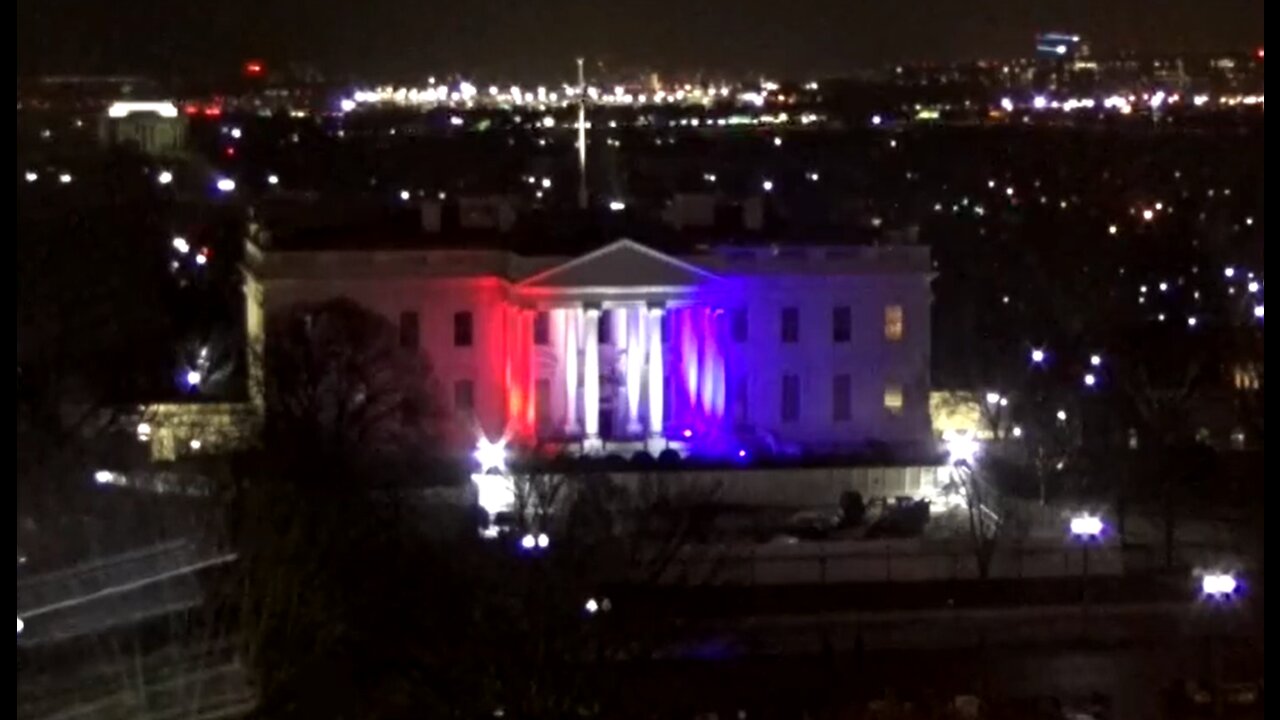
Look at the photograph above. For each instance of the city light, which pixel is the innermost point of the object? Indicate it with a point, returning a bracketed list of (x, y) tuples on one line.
[(1061, 415), (993, 398), (1257, 312), (591, 606), (875, 120), (202, 258), (347, 105), (1086, 526), (1095, 360), (195, 444), (181, 245), (31, 176), (144, 431), (1007, 104), (1253, 286), (1229, 271), (1039, 102), (102, 477), (65, 178), (767, 186), (617, 205), (193, 378), (543, 540), (123, 108), (1037, 355), (1113, 229), (528, 542), (273, 179), (1090, 379), (164, 177), (405, 195), (1017, 431), (226, 185)]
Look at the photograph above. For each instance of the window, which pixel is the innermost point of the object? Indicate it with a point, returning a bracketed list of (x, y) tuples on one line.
[(462, 329), (841, 324), (893, 323), (738, 325), (893, 398), (738, 402), (542, 402), (409, 330), (605, 334), (841, 398), (464, 396), (541, 328), (790, 325), (790, 398)]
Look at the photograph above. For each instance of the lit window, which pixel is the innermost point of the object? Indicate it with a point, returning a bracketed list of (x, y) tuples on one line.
[(739, 325), (790, 398), (841, 398), (893, 323), (841, 324), (409, 330), (790, 325), (1246, 377), (893, 398), (541, 331), (464, 396), (462, 331)]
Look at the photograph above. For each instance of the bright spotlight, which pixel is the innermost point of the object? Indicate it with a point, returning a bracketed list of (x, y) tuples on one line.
[(164, 177), (1037, 355), (1217, 585), (491, 455), (193, 377), (617, 205), (181, 245), (961, 448), (592, 607), (1086, 526), (543, 540), (528, 542), (1095, 360), (226, 185)]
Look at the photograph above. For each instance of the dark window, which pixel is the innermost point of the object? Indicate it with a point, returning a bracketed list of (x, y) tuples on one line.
[(841, 324), (542, 402), (841, 398), (790, 398), (739, 325), (462, 329), (738, 403), (790, 325), (605, 333), (409, 330), (464, 396), (541, 328)]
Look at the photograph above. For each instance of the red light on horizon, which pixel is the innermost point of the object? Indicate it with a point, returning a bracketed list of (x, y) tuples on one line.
[(231, 152), (254, 68), (191, 109), (212, 111), (1260, 56)]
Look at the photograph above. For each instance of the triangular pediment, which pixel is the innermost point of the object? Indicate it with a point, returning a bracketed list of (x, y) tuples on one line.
[(624, 263)]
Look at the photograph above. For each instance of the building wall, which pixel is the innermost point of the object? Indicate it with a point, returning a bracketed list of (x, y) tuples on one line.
[(505, 367)]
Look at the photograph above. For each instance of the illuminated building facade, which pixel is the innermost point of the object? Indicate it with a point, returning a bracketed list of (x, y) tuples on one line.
[(732, 352)]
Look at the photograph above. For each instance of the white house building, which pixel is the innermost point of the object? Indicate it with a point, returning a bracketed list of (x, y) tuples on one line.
[(730, 352)]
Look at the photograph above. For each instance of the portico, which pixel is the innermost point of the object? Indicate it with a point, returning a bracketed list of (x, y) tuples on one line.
[(604, 355)]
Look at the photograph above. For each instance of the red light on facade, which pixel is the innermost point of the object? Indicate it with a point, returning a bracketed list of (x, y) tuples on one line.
[(254, 68), (212, 111), (191, 109), (1260, 53), (231, 152)]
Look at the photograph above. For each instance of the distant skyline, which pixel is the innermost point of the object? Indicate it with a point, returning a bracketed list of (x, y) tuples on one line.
[(537, 39)]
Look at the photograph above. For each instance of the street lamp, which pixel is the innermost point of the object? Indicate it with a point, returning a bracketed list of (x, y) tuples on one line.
[(1218, 585), (1087, 529)]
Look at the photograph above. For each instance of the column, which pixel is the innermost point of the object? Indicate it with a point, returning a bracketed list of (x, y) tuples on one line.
[(569, 358), (655, 371), (635, 327), (530, 351), (591, 375)]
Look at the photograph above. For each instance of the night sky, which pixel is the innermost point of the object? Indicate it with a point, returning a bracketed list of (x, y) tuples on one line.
[(537, 39)]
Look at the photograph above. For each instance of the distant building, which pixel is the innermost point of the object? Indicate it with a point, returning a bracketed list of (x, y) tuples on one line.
[(730, 352), (156, 128)]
